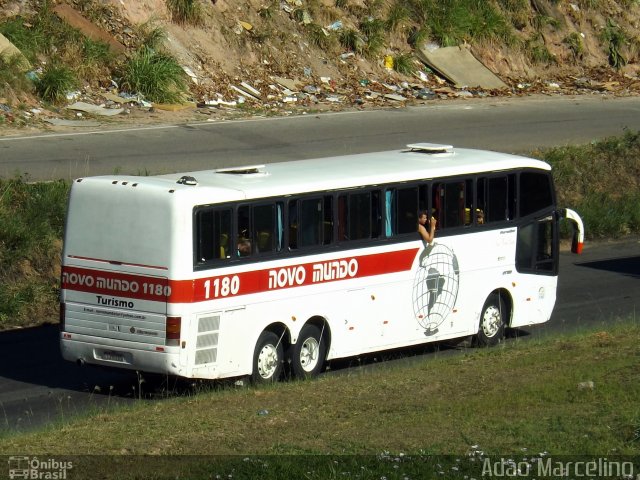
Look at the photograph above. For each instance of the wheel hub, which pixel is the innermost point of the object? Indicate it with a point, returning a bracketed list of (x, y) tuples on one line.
[(309, 354), (491, 321), (267, 361)]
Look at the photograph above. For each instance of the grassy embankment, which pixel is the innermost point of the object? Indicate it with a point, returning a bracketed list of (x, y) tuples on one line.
[(575, 395), (600, 180)]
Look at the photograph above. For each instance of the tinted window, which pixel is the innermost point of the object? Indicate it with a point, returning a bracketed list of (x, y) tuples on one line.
[(213, 235), (535, 250), (495, 199), (401, 209), (535, 192), (267, 228), (359, 216), (244, 243), (451, 204), (310, 222)]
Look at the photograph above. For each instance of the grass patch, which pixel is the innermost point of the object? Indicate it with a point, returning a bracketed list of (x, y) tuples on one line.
[(517, 11), (28, 39), (537, 51), (12, 75), (374, 34), (615, 39), (55, 82), (452, 22), (151, 36), (317, 37), (186, 11), (571, 395), (155, 75), (32, 219), (574, 42), (404, 64), (352, 40), (397, 15)]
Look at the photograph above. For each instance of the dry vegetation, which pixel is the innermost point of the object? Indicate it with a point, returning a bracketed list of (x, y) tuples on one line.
[(582, 45), (519, 40)]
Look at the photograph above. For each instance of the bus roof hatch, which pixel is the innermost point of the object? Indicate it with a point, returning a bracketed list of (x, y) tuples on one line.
[(430, 148), (246, 170)]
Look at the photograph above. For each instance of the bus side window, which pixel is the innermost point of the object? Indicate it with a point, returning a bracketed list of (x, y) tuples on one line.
[(449, 204), (376, 214), (389, 212), (327, 238), (495, 199), (407, 210), (466, 201), (310, 222), (437, 202), (536, 192), (401, 207), (204, 236), (454, 204), (244, 245), (213, 235), (342, 218), (222, 221), (359, 215), (481, 201), (267, 227), (293, 224)]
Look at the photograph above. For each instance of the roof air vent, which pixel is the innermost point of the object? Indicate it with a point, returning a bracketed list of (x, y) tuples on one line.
[(430, 148), (186, 180), (248, 170)]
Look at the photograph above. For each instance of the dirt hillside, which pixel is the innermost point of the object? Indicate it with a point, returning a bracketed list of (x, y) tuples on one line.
[(273, 57)]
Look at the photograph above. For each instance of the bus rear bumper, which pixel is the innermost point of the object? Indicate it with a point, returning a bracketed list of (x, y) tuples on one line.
[(88, 350)]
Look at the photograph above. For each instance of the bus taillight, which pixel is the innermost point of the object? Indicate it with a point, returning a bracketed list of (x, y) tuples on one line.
[(173, 331)]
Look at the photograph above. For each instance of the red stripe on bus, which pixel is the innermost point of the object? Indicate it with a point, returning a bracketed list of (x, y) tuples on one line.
[(242, 283), (103, 282)]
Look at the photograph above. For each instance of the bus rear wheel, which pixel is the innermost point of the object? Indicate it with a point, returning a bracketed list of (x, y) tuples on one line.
[(492, 321), (308, 352), (267, 359)]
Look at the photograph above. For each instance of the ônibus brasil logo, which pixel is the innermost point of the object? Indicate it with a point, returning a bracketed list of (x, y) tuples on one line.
[(35, 468)]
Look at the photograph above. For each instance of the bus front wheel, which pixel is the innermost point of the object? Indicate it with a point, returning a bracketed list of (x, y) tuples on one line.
[(267, 359), (492, 321), (308, 352)]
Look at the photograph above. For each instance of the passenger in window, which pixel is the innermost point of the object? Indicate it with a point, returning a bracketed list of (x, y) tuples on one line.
[(244, 247), (479, 216), (426, 235)]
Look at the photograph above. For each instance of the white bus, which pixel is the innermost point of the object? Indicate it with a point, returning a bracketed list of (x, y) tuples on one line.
[(257, 270)]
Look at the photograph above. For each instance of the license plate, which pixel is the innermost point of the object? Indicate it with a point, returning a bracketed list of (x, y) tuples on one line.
[(113, 356)]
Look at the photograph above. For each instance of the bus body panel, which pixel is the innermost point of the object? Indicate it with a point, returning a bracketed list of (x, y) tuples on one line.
[(113, 353)]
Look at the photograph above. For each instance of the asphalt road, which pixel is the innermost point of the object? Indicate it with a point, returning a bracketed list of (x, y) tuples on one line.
[(510, 125), (37, 387)]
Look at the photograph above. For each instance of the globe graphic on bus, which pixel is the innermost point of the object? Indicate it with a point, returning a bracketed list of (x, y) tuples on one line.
[(435, 287)]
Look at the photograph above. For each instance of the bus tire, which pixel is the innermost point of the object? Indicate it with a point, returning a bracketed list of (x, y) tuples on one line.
[(309, 352), (268, 359), (492, 321)]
